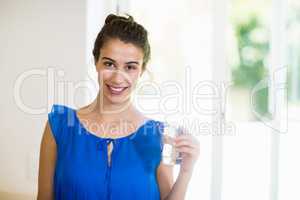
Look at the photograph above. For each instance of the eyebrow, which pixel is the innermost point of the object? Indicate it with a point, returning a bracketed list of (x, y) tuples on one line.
[(112, 60)]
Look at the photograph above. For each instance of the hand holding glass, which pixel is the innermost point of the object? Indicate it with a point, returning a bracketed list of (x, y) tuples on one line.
[(169, 155)]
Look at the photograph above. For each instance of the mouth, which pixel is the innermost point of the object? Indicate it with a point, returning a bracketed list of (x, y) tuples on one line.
[(116, 90)]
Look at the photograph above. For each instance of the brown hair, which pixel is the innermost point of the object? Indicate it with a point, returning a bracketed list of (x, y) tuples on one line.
[(125, 29)]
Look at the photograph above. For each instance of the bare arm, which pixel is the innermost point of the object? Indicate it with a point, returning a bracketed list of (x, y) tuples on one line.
[(165, 179), (189, 147), (179, 189), (169, 189), (46, 165)]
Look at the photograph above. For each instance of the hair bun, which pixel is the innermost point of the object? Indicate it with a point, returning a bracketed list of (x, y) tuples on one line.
[(112, 17)]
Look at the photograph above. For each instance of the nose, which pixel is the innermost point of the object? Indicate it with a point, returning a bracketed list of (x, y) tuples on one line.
[(118, 77)]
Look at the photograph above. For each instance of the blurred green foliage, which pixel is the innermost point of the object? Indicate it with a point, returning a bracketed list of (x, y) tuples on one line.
[(293, 32), (252, 49)]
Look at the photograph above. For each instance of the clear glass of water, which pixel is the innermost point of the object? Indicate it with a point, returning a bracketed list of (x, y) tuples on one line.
[(169, 154)]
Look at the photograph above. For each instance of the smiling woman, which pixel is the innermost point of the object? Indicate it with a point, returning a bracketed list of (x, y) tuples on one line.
[(119, 67), (80, 161)]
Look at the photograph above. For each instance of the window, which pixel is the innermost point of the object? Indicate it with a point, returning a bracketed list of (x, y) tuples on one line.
[(188, 51)]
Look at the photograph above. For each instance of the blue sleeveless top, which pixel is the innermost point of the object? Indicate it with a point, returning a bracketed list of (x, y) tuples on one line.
[(82, 171)]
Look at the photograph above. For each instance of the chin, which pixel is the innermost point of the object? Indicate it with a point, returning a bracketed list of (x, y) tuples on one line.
[(117, 99)]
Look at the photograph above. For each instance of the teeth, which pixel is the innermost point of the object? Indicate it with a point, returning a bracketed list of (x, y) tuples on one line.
[(116, 89)]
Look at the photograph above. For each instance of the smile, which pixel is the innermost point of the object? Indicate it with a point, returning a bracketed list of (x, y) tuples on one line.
[(116, 90)]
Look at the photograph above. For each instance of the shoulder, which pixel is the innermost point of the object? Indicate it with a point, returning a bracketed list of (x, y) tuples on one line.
[(156, 126), (160, 125), (150, 135), (60, 111), (59, 118), (60, 108)]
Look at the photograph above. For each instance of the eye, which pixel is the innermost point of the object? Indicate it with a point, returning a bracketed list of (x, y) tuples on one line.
[(108, 64), (130, 67)]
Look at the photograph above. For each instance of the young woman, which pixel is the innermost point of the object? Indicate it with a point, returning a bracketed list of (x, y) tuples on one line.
[(108, 150)]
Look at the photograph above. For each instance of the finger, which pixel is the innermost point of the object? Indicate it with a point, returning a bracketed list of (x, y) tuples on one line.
[(188, 138), (184, 137), (185, 143), (196, 148), (188, 153), (187, 150)]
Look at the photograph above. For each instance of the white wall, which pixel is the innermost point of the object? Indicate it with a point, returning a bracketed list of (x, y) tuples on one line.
[(34, 35)]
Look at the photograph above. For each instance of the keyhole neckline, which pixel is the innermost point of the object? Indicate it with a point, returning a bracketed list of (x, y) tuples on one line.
[(93, 135)]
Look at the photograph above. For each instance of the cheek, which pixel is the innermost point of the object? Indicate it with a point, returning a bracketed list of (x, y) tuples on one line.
[(134, 78), (104, 75)]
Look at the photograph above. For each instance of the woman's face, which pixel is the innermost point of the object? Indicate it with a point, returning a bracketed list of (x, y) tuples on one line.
[(119, 67)]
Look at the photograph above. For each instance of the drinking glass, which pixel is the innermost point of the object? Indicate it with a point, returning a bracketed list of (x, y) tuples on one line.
[(169, 154)]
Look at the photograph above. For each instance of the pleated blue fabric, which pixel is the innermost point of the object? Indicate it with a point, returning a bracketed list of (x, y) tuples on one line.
[(82, 169)]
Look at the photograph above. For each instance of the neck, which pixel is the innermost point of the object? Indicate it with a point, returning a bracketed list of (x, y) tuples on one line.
[(110, 111)]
